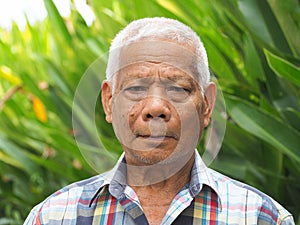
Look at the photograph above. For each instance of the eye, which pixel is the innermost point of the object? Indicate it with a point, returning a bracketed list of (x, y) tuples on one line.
[(136, 89), (179, 89), (136, 93), (178, 93)]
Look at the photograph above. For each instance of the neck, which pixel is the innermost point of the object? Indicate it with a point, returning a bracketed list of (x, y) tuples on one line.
[(163, 177)]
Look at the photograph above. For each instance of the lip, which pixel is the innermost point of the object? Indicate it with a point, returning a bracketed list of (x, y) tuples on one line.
[(157, 137)]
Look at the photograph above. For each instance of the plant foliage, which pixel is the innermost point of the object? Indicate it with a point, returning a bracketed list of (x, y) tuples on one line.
[(254, 51)]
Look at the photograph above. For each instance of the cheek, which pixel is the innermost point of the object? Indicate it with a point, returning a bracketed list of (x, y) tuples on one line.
[(199, 106), (134, 117), (120, 112), (125, 116), (190, 130), (191, 121)]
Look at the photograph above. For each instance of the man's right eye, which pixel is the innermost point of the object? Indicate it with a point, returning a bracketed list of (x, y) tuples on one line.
[(136, 89), (136, 93)]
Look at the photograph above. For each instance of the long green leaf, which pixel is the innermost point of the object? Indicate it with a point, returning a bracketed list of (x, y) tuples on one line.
[(260, 20), (17, 154), (283, 11), (255, 19), (255, 72), (283, 68), (57, 21), (266, 127)]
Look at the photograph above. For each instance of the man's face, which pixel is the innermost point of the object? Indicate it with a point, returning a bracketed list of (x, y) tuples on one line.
[(157, 109)]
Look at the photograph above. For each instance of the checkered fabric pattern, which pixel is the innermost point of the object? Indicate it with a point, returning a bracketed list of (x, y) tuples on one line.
[(209, 198)]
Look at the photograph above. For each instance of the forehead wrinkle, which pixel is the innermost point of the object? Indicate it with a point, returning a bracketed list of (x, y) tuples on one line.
[(150, 69), (129, 73), (175, 74)]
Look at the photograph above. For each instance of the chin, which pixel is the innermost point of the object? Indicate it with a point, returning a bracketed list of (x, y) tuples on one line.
[(160, 157), (150, 159)]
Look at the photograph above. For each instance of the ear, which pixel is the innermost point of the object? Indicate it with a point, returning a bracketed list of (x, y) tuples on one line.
[(209, 98), (107, 100)]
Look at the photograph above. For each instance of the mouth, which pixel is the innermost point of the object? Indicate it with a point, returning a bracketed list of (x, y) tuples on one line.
[(157, 137)]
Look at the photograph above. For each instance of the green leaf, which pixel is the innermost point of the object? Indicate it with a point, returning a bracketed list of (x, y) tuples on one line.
[(57, 21), (283, 68), (260, 20), (265, 126), (293, 116), (17, 154), (10, 160), (283, 11), (219, 64), (176, 9), (255, 19), (255, 71)]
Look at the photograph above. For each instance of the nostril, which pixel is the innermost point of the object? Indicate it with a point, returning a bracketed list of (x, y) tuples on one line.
[(163, 116), (149, 116)]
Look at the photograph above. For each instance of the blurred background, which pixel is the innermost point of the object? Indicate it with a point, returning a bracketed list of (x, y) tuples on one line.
[(254, 51)]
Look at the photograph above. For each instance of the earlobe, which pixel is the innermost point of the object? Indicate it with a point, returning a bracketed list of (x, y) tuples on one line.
[(209, 98), (107, 100)]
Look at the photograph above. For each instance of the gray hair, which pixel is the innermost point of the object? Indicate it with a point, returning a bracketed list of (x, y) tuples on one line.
[(162, 28)]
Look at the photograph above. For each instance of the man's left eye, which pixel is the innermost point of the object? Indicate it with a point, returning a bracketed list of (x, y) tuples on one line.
[(178, 89)]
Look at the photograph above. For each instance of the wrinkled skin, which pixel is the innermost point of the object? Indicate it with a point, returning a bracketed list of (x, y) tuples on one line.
[(156, 106)]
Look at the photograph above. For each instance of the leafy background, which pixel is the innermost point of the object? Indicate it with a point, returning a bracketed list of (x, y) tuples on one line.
[(254, 51)]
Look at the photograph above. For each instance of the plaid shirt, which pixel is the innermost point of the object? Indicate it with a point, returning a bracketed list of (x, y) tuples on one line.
[(209, 198)]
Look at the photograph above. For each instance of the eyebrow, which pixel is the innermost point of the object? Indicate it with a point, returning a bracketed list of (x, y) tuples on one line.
[(168, 73)]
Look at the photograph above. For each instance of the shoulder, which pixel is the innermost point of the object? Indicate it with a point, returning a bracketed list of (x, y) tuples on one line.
[(235, 194), (63, 203)]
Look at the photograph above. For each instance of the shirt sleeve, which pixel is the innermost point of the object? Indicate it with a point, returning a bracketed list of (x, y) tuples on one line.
[(272, 212), (32, 217), (284, 217), (288, 221)]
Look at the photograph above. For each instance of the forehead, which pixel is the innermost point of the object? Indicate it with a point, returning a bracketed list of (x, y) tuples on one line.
[(152, 70), (168, 56)]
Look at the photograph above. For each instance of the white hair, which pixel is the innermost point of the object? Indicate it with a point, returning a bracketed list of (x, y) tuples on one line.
[(162, 28)]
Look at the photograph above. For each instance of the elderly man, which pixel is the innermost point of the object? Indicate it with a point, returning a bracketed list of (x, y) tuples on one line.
[(159, 98)]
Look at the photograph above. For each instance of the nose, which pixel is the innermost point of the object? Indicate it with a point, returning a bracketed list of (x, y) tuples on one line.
[(156, 108)]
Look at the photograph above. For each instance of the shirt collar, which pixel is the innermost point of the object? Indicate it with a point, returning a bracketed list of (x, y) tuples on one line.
[(200, 175), (115, 179)]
